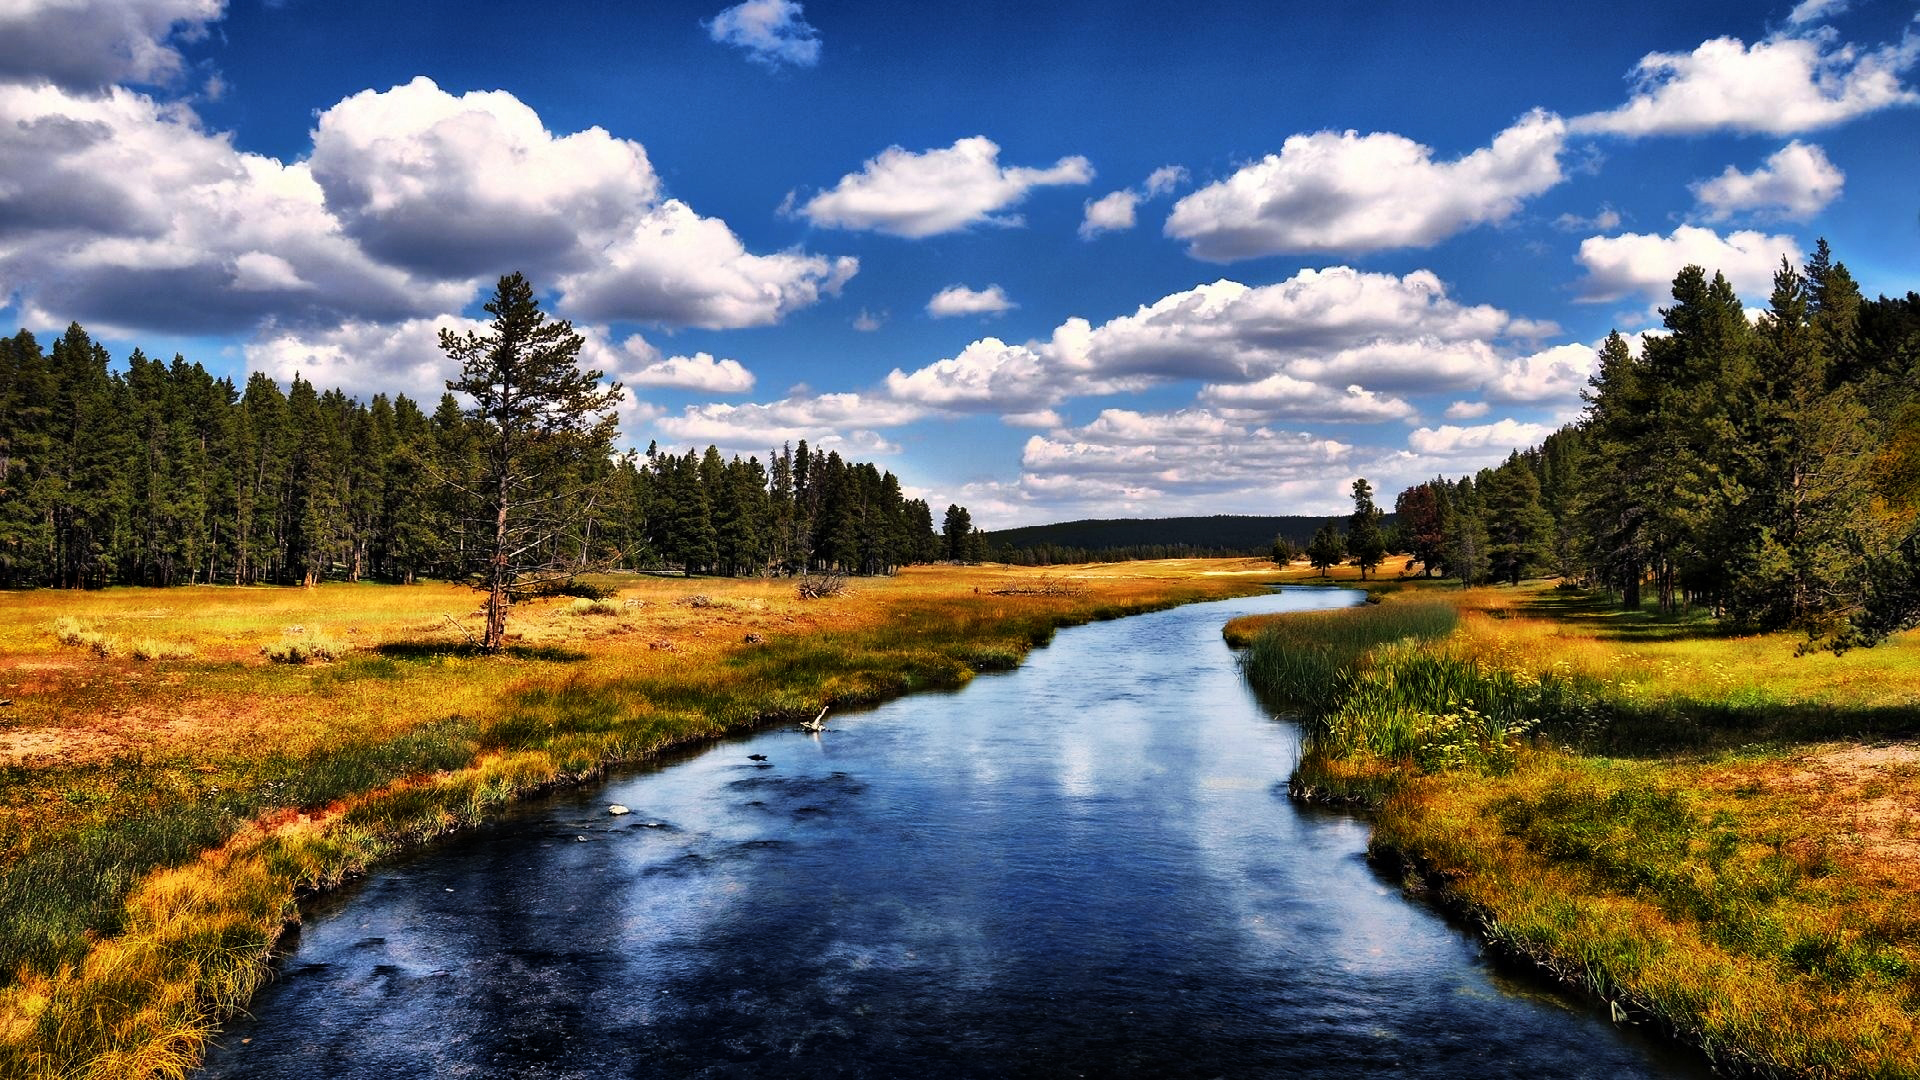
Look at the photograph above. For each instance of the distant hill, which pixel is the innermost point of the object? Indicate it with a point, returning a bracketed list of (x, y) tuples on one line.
[(1114, 540)]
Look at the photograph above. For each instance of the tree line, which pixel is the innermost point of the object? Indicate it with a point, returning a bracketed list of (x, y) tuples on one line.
[(1766, 469), (162, 474)]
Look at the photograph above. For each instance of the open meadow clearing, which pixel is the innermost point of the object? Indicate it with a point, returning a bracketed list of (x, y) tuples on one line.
[(1715, 833), (162, 815)]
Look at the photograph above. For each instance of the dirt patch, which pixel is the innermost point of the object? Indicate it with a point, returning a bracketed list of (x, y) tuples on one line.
[(56, 746), (1869, 791)]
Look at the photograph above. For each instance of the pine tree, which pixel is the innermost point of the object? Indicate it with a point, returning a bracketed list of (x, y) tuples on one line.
[(539, 416), (1326, 549), (1365, 541)]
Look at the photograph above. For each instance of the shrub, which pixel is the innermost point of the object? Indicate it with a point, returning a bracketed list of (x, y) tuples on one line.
[(585, 606), (153, 649), (821, 586), (302, 650)]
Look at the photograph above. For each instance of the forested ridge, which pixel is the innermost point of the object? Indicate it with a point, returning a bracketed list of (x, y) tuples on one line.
[(162, 474), (1121, 539), (1768, 469)]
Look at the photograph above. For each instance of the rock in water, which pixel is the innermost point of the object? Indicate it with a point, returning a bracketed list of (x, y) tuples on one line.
[(616, 810)]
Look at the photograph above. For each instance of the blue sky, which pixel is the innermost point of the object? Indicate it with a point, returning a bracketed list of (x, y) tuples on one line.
[(1049, 261)]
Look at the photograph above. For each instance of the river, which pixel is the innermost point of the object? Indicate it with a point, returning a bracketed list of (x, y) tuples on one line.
[(1086, 867)]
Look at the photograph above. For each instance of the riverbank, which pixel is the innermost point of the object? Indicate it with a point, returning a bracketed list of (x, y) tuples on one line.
[(1718, 837), (171, 791)]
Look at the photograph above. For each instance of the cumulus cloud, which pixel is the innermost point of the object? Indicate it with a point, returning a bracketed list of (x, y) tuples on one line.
[(126, 213), (644, 366), (916, 195), (844, 421), (460, 186), (1335, 328), (1112, 212), (368, 358), (1283, 396), (1164, 179), (90, 44), (1785, 84), (1468, 410), (867, 322), (960, 300), (1555, 374), (1501, 436), (772, 32), (122, 212), (1645, 264), (1139, 460), (1796, 182), (674, 266), (1347, 192)]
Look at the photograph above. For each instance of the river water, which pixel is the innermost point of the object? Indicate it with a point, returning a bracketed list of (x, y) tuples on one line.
[(1086, 867)]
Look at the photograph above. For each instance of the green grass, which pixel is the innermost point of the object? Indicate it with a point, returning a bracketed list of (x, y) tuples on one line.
[(1631, 803)]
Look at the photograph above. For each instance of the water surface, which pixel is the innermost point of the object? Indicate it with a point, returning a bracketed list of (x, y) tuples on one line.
[(1087, 867)]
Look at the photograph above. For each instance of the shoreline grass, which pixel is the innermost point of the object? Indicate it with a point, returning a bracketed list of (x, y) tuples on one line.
[(1718, 838), (144, 876)]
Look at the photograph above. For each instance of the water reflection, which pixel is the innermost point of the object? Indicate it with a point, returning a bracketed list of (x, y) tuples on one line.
[(1086, 867)]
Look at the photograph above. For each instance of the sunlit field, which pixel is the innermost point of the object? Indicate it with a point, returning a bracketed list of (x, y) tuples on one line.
[(1717, 835), (180, 765)]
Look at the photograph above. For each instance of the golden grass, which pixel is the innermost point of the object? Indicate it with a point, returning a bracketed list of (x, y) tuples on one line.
[(1716, 834), (161, 816)]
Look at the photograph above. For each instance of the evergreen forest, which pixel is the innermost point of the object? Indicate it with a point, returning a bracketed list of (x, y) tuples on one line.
[(161, 474), (1767, 470)]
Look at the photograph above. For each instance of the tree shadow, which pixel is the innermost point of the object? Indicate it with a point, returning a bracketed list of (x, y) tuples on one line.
[(433, 650), (1689, 727), (1606, 619)]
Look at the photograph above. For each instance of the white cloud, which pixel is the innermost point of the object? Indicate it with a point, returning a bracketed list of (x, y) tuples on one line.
[(1645, 264), (1135, 462), (474, 185), (1501, 436), (1558, 374), (1038, 418), (988, 374), (1278, 396), (1112, 212), (127, 214), (1335, 328), (867, 322), (937, 191), (646, 367), (1345, 192), (843, 421), (462, 187), (365, 358), (1796, 182), (1807, 11), (1468, 410), (773, 32), (1164, 179), (90, 44), (960, 300), (1605, 219), (674, 266), (123, 213), (1781, 85)]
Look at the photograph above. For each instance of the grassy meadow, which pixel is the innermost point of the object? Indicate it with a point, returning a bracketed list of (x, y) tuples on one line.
[(181, 765), (1718, 836)]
